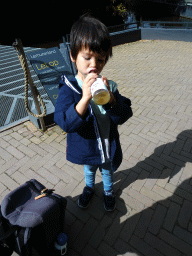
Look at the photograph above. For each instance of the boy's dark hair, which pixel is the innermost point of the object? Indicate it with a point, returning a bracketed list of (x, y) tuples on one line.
[(90, 33)]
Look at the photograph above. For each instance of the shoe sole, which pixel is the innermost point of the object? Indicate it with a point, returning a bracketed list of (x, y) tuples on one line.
[(111, 209), (83, 206)]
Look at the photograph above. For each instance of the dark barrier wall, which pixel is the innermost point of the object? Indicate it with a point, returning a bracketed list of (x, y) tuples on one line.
[(128, 36), (166, 34), (123, 37)]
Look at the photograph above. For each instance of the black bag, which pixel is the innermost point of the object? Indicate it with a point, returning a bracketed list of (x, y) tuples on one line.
[(28, 226)]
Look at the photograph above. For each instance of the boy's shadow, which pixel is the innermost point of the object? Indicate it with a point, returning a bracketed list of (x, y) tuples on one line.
[(142, 224), (165, 163)]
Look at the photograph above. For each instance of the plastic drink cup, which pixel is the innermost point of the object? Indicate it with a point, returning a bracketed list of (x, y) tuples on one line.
[(100, 92)]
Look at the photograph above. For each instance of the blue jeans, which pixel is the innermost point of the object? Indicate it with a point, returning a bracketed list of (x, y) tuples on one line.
[(106, 172)]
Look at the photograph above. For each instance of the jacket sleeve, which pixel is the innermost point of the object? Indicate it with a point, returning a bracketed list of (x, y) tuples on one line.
[(65, 114), (121, 111)]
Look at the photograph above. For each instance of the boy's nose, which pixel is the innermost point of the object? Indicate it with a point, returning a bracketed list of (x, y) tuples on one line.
[(93, 62)]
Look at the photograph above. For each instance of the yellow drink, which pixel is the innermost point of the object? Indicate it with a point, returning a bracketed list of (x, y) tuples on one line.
[(100, 92), (102, 97)]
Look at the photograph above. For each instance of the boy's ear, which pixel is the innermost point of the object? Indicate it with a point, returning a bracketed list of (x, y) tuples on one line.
[(73, 60)]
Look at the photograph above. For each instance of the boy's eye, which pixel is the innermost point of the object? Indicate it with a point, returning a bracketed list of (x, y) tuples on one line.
[(87, 58)]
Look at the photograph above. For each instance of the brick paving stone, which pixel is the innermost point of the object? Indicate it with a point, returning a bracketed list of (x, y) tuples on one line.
[(88, 250), (58, 146), (3, 143), (48, 148), (5, 134), (143, 247), (16, 136), (149, 149), (19, 177), (145, 165), (8, 182), (125, 249), (183, 234), (30, 163), (129, 226), (30, 174), (96, 211), (162, 161), (72, 172), (161, 246), (186, 172), (132, 202), (139, 152), (185, 214), (141, 179), (8, 164), (114, 229), (37, 149), (188, 145), (164, 177), (106, 250), (100, 231), (154, 196), (152, 179), (148, 202), (157, 219), (15, 152), (79, 213), (35, 140), (176, 242), (171, 217), (143, 223), (2, 188), (48, 176), (139, 138), (161, 191), (85, 234), (61, 174), (51, 138), (5, 155), (2, 162), (119, 178), (131, 149), (41, 161), (25, 141), (183, 194), (26, 150), (16, 165)]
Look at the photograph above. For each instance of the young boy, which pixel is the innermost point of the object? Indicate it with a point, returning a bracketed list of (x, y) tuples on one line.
[(92, 135)]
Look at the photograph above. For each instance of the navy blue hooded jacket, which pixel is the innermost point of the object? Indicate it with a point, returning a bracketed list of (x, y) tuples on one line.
[(83, 141)]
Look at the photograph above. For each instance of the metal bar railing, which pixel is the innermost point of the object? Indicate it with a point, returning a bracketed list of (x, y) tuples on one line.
[(122, 27), (167, 24)]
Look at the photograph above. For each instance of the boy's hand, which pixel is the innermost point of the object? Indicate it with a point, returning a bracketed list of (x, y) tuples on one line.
[(82, 105), (112, 100), (86, 87)]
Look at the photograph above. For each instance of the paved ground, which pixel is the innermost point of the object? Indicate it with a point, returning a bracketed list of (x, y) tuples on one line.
[(153, 185)]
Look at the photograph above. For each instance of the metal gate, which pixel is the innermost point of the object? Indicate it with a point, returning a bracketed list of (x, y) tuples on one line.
[(12, 91)]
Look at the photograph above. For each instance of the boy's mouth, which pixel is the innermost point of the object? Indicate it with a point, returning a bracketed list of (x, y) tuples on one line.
[(92, 70)]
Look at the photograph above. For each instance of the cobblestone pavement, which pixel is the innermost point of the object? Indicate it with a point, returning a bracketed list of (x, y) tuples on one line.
[(153, 185)]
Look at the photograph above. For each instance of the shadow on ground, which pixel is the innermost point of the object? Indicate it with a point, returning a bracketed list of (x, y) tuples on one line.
[(139, 225)]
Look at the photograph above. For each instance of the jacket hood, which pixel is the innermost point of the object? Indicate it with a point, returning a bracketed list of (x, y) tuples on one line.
[(72, 84)]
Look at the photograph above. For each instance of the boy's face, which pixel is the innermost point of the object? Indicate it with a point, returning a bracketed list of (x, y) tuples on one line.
[(88, 61)]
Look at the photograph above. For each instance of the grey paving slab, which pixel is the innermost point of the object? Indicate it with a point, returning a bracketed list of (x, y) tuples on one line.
[(153, 185)]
